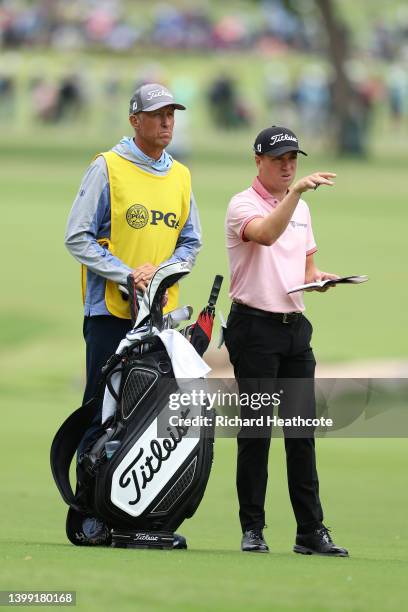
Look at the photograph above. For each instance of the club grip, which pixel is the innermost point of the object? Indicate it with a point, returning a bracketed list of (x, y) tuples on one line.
[(215, 290), (133, 302)]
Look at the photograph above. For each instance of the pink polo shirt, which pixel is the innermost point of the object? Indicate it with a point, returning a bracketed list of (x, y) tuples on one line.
[(261, 275)]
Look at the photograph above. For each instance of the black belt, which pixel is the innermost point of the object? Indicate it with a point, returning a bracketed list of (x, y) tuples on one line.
[(284, 317)]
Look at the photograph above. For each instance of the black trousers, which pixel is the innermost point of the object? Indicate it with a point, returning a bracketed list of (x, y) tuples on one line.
[(261, 351), (102, 335)]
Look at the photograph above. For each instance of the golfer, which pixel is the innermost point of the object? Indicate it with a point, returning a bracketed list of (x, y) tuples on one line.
[(271, 249), (133, 212)]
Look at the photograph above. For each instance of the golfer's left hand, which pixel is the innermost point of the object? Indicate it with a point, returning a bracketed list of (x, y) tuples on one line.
[(323, 276)]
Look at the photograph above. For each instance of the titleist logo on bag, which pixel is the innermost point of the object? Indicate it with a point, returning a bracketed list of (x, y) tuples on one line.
[(148, 466), (146, 536)]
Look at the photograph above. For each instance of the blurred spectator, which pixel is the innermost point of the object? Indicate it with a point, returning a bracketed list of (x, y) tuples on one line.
[(285, 26), (52, 103), (383, 41), (181, 29), (312, 99), (44, 96), (227, 110), (231, 32), (70, 99), (99, 24), (7, 96), (355, 126), (122, 37), (397, 90), (279, 22)]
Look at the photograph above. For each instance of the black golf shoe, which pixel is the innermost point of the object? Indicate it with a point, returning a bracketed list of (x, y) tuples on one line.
[(253, 541), (318, 542)]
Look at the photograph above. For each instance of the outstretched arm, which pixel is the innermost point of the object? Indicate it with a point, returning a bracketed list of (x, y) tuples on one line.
[(267, 230)]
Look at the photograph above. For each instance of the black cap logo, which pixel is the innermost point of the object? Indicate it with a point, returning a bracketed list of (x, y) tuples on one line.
[(276, 141)]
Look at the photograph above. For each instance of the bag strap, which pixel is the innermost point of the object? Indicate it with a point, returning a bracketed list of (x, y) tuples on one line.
[(70, 434), (110, 385), (64, 447)]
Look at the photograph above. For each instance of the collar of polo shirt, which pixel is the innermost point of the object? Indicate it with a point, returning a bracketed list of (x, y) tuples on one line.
[(264, 193)]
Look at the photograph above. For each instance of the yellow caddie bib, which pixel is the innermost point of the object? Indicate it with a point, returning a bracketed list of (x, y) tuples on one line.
[(148, 212)]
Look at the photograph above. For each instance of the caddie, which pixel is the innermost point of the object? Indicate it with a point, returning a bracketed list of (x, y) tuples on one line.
[(134, 211)]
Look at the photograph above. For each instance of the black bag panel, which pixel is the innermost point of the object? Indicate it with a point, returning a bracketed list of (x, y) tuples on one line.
[(141, 380), (183, 497), (203, 469), (176, 500)]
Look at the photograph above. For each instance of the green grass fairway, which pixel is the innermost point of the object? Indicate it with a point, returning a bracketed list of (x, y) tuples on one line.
[(364, 492), (360, 227)]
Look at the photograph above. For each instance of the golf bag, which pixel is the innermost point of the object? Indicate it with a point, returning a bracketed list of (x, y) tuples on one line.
[(140, 477)]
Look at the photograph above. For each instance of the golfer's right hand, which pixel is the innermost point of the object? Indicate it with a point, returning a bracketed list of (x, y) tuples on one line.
[(313, 181), (143, 274)]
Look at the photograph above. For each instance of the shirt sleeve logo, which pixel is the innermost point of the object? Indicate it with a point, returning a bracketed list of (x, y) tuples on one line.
[(297, 224), (137, 216)]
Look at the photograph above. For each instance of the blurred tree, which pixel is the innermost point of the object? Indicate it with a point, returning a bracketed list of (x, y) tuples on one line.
[(351, 109), (349, 105)]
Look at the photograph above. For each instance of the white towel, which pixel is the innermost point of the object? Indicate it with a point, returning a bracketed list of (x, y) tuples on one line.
[(185, 360)]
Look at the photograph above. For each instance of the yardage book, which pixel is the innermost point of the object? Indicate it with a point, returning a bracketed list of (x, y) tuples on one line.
[(330, 283)]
